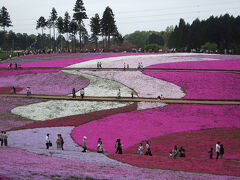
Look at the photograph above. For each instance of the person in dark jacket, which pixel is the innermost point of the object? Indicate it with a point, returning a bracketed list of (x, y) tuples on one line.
[(221, 151), (73, 93)]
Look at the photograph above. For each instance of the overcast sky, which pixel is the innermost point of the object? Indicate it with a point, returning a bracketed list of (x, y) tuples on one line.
[(130, 15)]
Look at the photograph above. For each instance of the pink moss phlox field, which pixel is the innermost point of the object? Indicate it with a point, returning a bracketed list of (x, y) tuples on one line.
[(137, 126), (19, 164), (46, 83), (9, 120), (203, 85), (215, 64), (196, 145), (10, 89)]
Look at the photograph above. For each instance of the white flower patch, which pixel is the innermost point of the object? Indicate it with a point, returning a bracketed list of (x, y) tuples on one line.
[(133, 60), (99, 86), (144, 85), (56, 109)]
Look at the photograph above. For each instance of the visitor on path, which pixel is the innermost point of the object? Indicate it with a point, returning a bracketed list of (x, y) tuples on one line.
[(175, 151), (14, 90), (124, 66), (1, 138), (98, 143), (73, 93), (82, 93), (118, 147), (140, 149), (58, 142), (181, 152), (217, 149), (84, 144), (100, 148), (28, 90), (5, 137), (139, 66), (148, 150), (100, 65), (132, 93), (10, 66), (48, 142), (16, 66), (210, 153), (119, 94), (221, 151), (162, 97), (62, 141)]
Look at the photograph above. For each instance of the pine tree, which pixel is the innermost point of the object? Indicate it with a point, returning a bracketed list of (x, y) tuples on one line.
[(79, 15), (41, 23), (73, 29), (5, 18), (95, 28), (108, 25), (53, 20), (66, 24)]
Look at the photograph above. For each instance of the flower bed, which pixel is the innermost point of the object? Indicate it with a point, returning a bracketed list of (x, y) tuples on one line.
[(215, 64), (9, 120), (79, 119), (56, 109), (197, 144), (46, 83), (203, 85), (137, 126), (19, 164)]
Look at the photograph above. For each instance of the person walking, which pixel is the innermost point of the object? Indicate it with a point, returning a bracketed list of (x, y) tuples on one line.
[(98, 143), (119, 94), (132, 93), (14, 90), (48, 142), (62, 141), (84, 144), (1, 138), (217, 149), (28, 90), (221, 151), (73, 93), (100, 65), (148, 150), (82, 93), (210, 153), (16, 66), (140, 149), (118, 147), (58, 142), (5, 137), (175, 151)]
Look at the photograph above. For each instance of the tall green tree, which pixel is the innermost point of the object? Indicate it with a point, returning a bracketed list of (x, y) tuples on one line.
[(79, 15), (95, 28), (53, 20), (155, 39), (5, 18), (60, 27), (41, 23), (73, 29), (108, 25), (66, 23)]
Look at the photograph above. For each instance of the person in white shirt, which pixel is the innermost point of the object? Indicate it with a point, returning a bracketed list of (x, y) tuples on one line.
[(47, 141), (82, 93), (140, 149), (217, 149)]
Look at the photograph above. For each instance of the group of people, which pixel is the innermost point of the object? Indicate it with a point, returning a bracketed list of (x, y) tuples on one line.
[(59, 142), (82, 93), (16, 66), (219, 151), (177, 152), (125, 66), (119, 94), (148, 150), (99, 65), (161, 97), (140, 66), (3, 138)]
